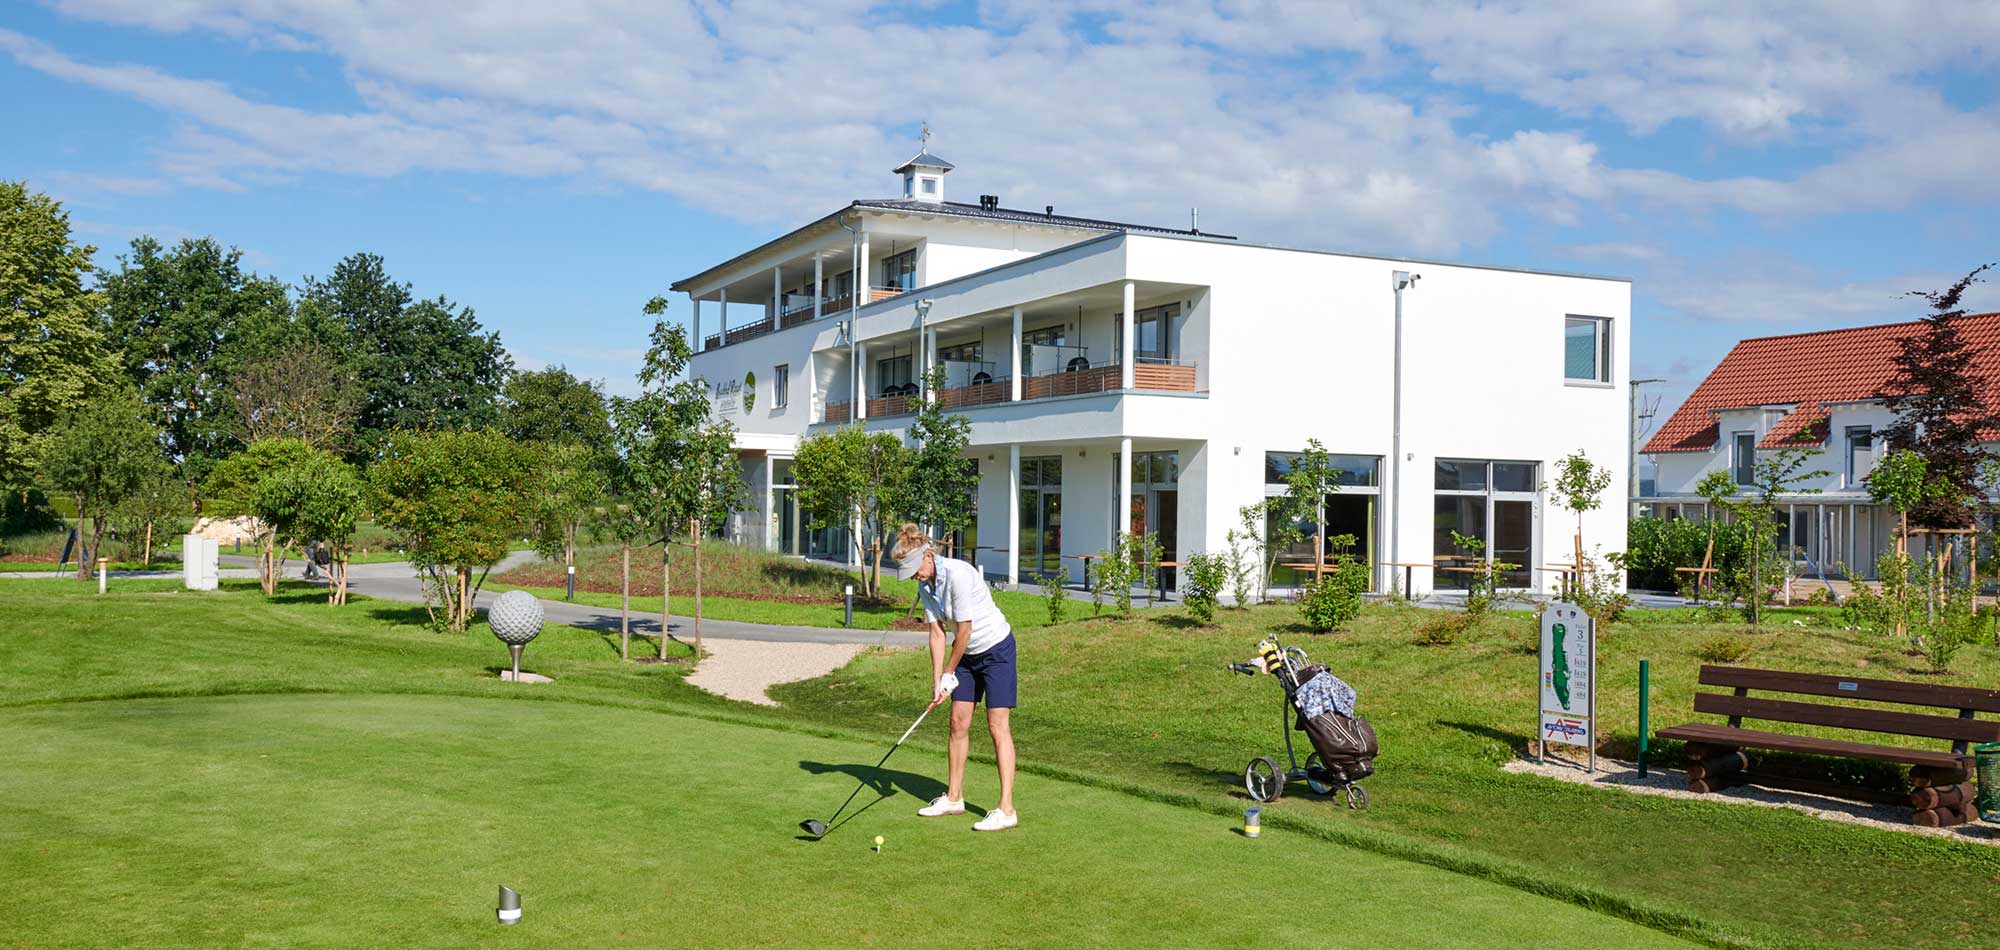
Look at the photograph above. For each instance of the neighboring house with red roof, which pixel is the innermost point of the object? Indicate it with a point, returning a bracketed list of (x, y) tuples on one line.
[(1820, 389)]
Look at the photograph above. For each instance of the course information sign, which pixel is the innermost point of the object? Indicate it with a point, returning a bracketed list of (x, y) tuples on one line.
[(1569, 679)]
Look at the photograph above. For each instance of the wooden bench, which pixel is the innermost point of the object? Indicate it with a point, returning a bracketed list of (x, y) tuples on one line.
[(1941, 781)]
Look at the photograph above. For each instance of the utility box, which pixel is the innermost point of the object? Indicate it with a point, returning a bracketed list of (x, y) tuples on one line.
[(200, 562)]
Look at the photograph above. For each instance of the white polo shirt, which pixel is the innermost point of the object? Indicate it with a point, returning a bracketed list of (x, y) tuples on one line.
[(958, 592)]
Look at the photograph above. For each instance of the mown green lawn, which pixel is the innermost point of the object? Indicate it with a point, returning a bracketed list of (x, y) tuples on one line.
[(1148, 702), (208, 769)]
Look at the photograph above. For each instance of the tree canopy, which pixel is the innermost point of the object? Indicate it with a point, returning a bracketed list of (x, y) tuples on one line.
[(52, 352), (552, 406), (100, 453), (1936, 395), (458, 497)]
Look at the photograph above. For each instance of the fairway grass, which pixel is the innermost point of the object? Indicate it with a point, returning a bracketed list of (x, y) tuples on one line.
[(314, 820)]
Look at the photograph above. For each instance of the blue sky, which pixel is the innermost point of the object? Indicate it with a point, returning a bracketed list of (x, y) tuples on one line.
[(552, 166)]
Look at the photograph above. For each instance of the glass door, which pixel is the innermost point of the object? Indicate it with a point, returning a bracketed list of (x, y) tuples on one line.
[(1040, 541)]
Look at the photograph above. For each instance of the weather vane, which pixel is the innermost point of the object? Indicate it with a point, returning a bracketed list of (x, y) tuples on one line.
[(924, 139)]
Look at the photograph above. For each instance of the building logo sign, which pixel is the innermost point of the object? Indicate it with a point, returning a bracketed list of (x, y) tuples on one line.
[(749, 392), (726, 395)]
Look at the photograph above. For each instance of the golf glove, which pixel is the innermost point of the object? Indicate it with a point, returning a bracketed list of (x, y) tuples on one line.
[(947, 683)]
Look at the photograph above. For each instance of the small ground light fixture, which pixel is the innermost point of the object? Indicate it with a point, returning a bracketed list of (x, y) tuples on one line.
[(510, 906)]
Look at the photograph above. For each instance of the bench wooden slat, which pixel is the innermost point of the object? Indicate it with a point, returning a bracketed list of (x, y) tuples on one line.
[(1850, 717), (1730, 737), (1881, 691)]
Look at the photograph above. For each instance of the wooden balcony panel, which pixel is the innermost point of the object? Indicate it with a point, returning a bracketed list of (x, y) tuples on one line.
[(978, 394), (750, 330), (884, 293), (891, 406), (1164, 377), (839, 411), (1096, 380)]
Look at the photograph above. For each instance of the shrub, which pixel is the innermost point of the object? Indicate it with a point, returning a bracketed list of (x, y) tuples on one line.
[(1054, 596), (1722, 648), (1201, 579), (1821, 597), (1330, 602), (1598, 592), (1445, 629), (1955, 624)]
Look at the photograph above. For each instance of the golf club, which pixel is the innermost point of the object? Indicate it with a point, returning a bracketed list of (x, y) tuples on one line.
[(817, 828)]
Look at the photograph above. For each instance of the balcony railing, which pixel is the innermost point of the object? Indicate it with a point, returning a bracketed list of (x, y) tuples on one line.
[(796, 313), (1149, 375)]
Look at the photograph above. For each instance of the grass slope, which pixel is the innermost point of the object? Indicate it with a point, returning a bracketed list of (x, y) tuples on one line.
[(388, 820), (1149, 702)]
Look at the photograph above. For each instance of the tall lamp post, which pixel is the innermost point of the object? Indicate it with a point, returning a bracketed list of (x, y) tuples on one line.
[(1401, 280)]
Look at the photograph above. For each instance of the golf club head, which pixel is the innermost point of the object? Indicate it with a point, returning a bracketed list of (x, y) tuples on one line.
[(814, 827)]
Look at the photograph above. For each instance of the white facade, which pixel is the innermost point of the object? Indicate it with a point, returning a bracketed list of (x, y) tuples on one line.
[(1076, 344)]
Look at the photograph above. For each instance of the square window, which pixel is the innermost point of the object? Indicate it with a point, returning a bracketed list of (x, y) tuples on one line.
[(1514, 476), (930, 186), (1453, 475), (1587, 349)]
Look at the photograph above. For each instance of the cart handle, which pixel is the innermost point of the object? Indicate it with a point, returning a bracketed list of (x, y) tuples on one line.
[(1244, 668)]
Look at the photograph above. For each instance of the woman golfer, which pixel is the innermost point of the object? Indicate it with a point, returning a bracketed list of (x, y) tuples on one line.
[(977, 664)]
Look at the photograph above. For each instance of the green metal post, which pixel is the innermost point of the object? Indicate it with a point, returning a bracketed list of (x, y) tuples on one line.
[(1645, 687)]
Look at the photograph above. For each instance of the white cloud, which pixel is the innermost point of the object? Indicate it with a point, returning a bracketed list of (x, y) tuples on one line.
[(770, 111)]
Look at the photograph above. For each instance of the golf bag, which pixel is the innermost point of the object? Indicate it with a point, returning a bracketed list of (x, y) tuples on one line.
[(1346, 744)]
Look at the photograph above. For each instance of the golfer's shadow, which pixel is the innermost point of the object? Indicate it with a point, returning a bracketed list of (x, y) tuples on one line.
[(885, 783)]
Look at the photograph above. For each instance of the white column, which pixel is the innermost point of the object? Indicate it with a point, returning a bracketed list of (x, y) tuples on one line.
[(930, 361), (697, 323), (771, 534), (1124, 487), (861, 381), (1125, 345), (777, 294), (1014, 511), (819, 283), (1014, 384), (863, 281), (724, 307)]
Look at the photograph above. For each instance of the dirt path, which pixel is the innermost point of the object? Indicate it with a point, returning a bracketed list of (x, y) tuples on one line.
[(744, 669)]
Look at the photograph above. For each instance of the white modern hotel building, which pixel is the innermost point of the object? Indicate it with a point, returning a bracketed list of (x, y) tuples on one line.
[(1124, 374)]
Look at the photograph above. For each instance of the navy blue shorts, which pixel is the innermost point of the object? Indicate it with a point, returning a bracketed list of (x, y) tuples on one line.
[(988, 676)]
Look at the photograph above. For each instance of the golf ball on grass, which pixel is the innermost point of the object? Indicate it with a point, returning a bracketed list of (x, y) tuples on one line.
[(878, 843)]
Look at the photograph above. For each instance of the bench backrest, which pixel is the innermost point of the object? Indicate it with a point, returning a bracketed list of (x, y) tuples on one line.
[(1960, 729)]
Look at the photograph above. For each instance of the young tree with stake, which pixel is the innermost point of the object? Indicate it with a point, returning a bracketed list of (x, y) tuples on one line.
[(100, 454)]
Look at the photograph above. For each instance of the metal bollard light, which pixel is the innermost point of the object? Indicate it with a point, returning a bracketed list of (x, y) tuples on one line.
[(571, 594), (1253, 818), (509, 912), (100, 574), (848, 597)]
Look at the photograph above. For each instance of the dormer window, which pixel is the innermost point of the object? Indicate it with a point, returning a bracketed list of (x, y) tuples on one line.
[(930, 186)]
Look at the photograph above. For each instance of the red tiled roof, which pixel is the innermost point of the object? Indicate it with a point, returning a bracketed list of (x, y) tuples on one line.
[(1804, 371)]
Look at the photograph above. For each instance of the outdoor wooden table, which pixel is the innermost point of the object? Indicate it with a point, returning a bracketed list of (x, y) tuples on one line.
[(1408, 568), (1159, 578)]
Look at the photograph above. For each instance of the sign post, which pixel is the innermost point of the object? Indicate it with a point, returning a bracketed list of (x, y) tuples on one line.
[(1567, 710)]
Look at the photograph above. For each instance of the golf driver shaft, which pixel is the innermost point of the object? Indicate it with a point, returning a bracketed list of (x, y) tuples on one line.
[(884, 760)]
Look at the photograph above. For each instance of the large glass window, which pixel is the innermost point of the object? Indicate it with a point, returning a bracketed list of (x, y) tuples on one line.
[(1040, 542), (1743, 457), (899, 271), (1493, 503), (892, 374), (1156, 334), (1587, 349), (781, 386), (1350, 512)]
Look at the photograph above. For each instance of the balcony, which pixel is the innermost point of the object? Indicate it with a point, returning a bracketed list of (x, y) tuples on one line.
[(794, 314), (1148, 375)]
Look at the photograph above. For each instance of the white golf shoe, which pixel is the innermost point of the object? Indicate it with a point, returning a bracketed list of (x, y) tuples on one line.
[(996, 820), (940, 807)]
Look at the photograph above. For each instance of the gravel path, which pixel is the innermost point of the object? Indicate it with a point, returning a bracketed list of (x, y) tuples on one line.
[(744, 669), (1672, 783)]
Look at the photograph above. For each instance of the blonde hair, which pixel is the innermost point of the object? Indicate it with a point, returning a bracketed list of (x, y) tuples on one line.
[(909, 539)]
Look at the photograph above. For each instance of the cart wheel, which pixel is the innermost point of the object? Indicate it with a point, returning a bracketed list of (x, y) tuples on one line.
[(1316, 776), (1263, 779), (1357, 797)]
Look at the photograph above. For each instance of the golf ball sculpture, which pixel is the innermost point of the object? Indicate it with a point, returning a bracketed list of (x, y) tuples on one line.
[(516, 618)]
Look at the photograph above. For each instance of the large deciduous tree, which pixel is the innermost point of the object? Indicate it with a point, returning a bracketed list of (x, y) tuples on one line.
[(305, 392), (1936, 394), (100, 453), (421, 363), (551, 405), (52, 353), (184, 319), (458, 496)]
